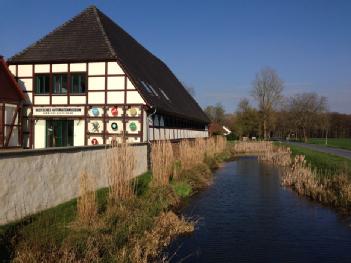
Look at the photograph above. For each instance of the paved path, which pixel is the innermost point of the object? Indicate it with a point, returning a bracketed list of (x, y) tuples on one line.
[(325, 149)]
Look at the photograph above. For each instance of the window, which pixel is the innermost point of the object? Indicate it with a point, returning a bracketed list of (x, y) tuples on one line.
[(153, 90), (59, 83), (42, 84), (78, 83), (164, 94)]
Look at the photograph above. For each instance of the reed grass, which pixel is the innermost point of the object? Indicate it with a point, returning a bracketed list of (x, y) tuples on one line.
[(129, 227), (86, 202), (162, 162), (120, 164), (193, 153), (330, 189)]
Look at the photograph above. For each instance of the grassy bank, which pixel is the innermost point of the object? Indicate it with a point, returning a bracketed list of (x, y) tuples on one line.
[(116, 224), (324, 162), (320, 177), (342, 143)]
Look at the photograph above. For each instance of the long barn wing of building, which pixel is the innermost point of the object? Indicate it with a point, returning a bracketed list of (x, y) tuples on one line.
[(89, 82), (11, 99)]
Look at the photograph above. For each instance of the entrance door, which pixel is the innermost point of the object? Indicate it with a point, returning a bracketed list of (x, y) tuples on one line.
[(59, 133)]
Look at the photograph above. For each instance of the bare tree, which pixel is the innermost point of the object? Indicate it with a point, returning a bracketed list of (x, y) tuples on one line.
[(267, 91), (308, 111), (215, 113)]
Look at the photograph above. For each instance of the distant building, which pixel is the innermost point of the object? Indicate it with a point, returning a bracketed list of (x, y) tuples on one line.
[(11, 99), (89, 82), (218, 129)]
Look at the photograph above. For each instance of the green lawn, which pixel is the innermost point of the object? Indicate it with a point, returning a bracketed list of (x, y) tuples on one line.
[(343, 143), (322, 161)]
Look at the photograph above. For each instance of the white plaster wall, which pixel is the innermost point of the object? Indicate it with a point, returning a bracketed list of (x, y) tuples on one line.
[(96, 68), (116, 82), (115, 97), (78, 67), (96, 83), (39, 134), (45, 180), (25, 71), (133, 97), (77, 99), (79, 132), (42, 68), (59, 100), (59, 68), (44, 100), (96, 97), (114, 68)]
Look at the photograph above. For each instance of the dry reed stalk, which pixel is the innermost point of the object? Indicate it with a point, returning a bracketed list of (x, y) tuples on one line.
[(147, 249), (120, 164), (193, 153), (188, 155), (162, 162), (86, 204), (253, 147)]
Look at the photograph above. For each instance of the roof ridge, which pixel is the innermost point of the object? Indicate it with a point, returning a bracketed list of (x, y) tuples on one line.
[(93, 7), (103, 31)]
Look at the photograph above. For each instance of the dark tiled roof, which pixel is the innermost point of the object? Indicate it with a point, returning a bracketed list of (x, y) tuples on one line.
[(9, 89), (92, 36)]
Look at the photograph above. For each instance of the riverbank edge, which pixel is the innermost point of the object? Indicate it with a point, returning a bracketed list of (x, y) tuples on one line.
[(59, 220), (321, 177)]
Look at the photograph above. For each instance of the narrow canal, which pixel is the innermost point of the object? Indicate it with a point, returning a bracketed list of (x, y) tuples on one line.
[(246, 216)]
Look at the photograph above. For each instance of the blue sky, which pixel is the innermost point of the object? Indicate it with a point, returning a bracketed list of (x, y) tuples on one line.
[(217, 47)]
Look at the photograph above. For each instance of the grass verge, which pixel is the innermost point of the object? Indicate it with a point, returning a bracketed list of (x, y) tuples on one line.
[(325, 163), (342, 143)]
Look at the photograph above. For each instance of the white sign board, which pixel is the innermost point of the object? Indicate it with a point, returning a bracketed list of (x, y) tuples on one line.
[(58, 111)]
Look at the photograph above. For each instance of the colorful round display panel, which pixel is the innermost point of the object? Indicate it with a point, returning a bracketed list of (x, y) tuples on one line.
[(114, 126), (133, 126), (114, 111), (95, 111), (133, 111)]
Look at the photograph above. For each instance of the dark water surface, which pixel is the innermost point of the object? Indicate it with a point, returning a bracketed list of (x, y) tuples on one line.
[(246, 216)]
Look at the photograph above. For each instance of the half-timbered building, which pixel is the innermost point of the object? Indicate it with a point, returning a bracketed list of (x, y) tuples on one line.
[(89, 82), (11, 100)]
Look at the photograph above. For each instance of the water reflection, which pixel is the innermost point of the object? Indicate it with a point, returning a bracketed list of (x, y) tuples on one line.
[(246, 216)]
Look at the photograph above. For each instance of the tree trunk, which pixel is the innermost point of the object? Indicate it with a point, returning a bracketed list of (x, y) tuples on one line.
[(304, 135), (265, 129)]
